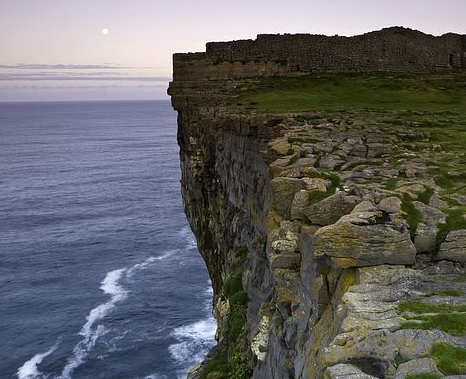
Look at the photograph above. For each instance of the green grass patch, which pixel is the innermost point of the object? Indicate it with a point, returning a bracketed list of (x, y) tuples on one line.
[(423, 375), (425, 196), (412, 215), (420, 307), (391, 183), (335, 182), (448, 176), (449, 359), (454, 221), (241, 370), (446, 317), (316, 196), (399, 360), (230, 361), (452, 323), (305, 118), (233, 283), (435, 92), (219, 365), (238, 301), (454, 293), (240, 298), (236, 322)]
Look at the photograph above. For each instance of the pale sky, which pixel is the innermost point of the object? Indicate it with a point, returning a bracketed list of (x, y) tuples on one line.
[(55, 49)]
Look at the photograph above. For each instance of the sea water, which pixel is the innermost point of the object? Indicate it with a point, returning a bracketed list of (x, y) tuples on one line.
[(99, 272)]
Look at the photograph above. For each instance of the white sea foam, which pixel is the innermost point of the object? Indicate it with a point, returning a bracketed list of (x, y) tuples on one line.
[(200, 330), (29, 369), (194, 341), (187, 235), (148, 263), (110, 285)]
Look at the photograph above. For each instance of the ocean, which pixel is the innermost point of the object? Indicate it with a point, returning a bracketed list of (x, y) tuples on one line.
[(99, 272)]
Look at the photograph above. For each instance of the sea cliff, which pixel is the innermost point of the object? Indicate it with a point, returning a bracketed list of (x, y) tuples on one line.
[(329, 207)]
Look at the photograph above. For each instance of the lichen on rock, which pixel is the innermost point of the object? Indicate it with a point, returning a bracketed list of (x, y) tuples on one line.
[(327, 233)]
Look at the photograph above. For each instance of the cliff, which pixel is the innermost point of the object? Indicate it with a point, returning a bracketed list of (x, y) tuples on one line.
[(329, 208)]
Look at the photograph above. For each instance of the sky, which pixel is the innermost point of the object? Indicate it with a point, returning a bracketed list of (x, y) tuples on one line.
[(52, 50)]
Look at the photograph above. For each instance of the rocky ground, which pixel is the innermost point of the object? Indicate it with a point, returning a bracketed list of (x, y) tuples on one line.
[(335, 240), (367, 195)]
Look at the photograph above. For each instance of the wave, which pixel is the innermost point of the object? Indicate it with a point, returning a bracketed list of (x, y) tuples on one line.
[(111, 286), (188, 238), (117, 292), (148, 263), (194, 340), (29, 369), (192, 337)]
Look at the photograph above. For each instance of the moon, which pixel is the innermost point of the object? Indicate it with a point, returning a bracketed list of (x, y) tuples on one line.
[(104, 31)]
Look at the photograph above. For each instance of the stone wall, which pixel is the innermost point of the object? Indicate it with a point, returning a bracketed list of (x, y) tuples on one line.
[(391, 49)]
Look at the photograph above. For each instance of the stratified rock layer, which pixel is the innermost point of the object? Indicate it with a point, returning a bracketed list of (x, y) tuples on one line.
[(332, 219)]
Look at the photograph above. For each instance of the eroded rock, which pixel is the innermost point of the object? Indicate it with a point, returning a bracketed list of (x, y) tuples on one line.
[(454, 247), (365, 237)]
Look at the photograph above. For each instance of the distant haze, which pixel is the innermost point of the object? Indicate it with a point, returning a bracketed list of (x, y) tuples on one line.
[(120, 49)]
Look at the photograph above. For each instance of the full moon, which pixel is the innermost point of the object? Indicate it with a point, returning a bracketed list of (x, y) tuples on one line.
[(104, 31)]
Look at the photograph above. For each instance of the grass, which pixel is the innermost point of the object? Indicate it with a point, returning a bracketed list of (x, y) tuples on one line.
[(454, 221), (425, 196), (446, 317), (218, 364), (233, 283), (454, 293), (230, 362), (420, 307), (454, 323), (449, 359), (412, 215), (434, 92), (391, 184), (423, 375)]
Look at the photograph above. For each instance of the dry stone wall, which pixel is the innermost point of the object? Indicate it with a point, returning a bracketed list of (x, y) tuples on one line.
[(391, 49)]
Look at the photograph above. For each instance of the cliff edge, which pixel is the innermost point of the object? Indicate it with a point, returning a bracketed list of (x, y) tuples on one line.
[(324, 180)]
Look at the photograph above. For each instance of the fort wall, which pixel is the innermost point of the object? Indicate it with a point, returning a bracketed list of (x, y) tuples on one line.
[(392, 49)]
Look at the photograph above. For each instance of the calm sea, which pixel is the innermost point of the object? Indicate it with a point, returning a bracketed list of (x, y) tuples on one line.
[(99, 272)]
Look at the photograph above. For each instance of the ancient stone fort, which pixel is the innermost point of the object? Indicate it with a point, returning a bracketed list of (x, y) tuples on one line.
[(390, 49)]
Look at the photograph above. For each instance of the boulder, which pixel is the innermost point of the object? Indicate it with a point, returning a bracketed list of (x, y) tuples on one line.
[(331, 209), (417, 366), (425, 239), (331, 161), (367, 236), (358, 150), (345, 371), (283, 190), (285, 239), (454, 247), (299, 205)]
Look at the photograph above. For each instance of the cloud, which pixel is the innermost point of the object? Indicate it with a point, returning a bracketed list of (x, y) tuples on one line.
[(42, 66), (81, 77), (63, 81)]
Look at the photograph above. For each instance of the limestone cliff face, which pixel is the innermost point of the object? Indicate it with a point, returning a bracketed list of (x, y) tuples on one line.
[(311, 213)]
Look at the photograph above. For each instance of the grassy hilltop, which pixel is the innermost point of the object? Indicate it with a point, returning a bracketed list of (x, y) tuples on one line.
[(376, 91)]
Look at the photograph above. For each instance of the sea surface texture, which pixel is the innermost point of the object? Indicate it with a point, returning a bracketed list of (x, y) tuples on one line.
[(99, 272)]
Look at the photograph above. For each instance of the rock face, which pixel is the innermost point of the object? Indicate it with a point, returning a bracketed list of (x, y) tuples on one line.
[(453, 248), (305, 222), (369, 235)]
